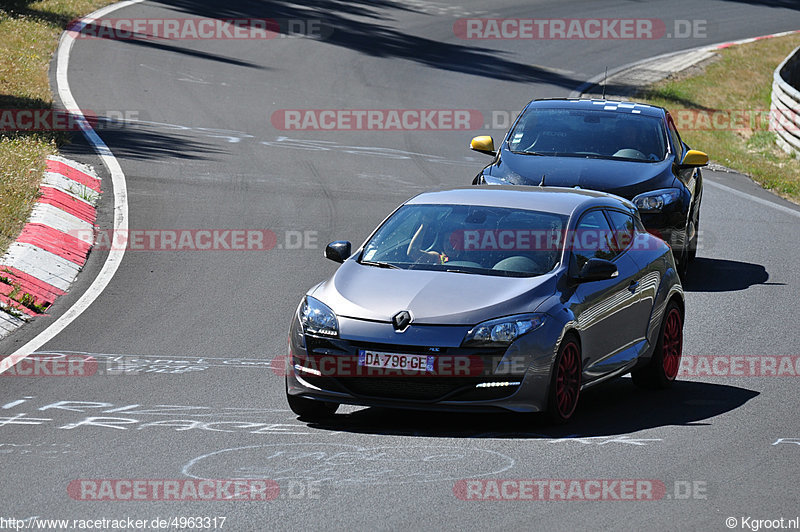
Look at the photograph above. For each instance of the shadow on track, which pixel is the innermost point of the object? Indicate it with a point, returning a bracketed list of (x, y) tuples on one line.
[(720, 275), (368, 36), (147, 41), (131, 140), (785, 4), (142, 142), (612, 409)]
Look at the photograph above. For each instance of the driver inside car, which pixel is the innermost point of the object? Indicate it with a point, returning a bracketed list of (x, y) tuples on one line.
[(426, 232)]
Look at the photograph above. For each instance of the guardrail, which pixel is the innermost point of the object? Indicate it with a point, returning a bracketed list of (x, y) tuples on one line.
[(785, 106)]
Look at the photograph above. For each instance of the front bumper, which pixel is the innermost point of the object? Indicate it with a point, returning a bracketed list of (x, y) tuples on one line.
[(513, 378), (668, 226)]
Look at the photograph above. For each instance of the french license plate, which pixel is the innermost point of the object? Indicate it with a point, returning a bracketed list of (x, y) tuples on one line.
[(378, 359)]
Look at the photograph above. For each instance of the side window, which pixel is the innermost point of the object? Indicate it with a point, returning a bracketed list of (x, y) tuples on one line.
[(593, 239), (624, 229), (676, 141)]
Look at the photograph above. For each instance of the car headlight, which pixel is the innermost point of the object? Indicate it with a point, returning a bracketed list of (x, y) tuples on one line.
[(502, 331), (317, 318), (656, 200), (491, 180)]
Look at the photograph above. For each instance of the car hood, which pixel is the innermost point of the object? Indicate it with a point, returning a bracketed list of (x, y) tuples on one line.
[(432, 297), (622, 178)]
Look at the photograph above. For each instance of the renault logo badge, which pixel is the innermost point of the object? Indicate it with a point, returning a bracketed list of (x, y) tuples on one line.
[(401, 320)]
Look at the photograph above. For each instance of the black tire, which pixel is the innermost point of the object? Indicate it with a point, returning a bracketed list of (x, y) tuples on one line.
[(695, 238), (663, 367), (310, 409), (682, 262), (565, 383), (688, 251)]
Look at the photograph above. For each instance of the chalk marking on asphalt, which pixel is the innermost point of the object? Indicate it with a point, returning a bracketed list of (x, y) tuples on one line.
[(346, 464), (120, 194)]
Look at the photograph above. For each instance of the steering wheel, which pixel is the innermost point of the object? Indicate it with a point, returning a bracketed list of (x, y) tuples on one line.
[(428, 241), (630, 153)]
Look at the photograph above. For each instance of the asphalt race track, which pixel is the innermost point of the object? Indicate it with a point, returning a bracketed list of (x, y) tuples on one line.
[(199, 329)]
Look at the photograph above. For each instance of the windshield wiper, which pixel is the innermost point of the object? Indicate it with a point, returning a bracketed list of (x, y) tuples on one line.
[(529, 153), (379, 264)]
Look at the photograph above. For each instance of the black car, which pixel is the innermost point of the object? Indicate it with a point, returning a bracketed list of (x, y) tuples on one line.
[(629, 149)]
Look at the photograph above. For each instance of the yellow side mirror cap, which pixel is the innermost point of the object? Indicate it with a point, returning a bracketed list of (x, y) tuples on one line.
[(695, 158), (483, 144)]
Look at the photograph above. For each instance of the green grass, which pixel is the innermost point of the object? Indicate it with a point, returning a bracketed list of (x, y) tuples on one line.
[(740, 80), (29, 33)]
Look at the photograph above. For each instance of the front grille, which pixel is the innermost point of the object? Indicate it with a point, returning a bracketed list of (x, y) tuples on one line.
[(324, 383), (418, 389), (402, 387)]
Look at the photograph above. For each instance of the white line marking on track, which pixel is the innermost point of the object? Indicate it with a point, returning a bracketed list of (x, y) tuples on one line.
[(120, 195), (762, 201)]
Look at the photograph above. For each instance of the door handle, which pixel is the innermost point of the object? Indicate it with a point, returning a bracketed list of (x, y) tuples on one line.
[(633, 286)]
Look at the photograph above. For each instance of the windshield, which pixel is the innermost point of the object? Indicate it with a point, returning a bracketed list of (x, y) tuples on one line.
[(468, 239), (589, 133)]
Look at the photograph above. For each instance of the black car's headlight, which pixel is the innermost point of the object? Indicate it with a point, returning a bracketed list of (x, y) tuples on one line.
[(317, 318), (491, 180), (502, 331), (656, 200)]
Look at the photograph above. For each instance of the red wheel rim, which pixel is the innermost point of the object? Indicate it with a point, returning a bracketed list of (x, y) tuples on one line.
[(672, 344), (568, 380)]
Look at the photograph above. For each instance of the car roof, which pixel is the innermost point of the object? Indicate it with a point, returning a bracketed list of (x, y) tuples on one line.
[(557, 200), (632, 108)]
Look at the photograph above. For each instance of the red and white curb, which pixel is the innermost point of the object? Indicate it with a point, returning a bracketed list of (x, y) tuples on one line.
[(753, 39), (47, 256)]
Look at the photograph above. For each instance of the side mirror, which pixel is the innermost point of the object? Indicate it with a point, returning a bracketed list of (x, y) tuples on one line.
[(597, 270), (694, 158), (483, 144), (338, 251)]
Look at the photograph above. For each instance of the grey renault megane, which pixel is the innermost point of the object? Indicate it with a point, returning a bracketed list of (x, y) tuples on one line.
[(491, 298)]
